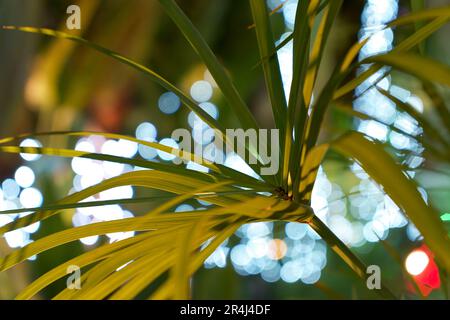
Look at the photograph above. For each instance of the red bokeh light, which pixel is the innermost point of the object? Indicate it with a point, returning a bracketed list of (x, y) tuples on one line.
[(428, 280)]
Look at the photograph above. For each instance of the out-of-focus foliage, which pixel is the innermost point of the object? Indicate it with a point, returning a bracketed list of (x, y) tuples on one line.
[(169, 246)]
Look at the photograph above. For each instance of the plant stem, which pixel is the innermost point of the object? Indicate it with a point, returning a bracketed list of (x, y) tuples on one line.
[(346, 254)]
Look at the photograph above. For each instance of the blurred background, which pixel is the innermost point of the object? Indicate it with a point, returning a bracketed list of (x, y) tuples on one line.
[(55, 85)]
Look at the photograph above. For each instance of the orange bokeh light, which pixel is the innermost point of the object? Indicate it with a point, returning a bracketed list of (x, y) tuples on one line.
[(277, 249)]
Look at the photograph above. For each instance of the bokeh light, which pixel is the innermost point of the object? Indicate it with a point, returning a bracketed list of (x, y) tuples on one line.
[(30, 143), (201, 91), (294, 252), (24, 177), (416, 262), (169, 103)]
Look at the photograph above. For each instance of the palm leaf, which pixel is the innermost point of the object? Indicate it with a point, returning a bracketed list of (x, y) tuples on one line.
[(146, 71), (416, 38), (402, 190), (271, 68), (423, 68), (218, 72), (297, 107), (150, 179), (346, 254)]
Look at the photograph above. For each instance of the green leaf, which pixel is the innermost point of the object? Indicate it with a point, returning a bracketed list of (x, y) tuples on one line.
[(421, 34), (426, 125), (423, 68), (395, 255), (271, 68), (331, 12), (148, 72), (103, 279), (302, 131), (309, 170), (297, 107), (313, 10), (181, 154), (218, 72), (66, 236), (81, 261), (87, 204), (346, 254), (319, 109), (166, 291), (351, 54), (418, 6), (427, 143), (407, 44), (402, 190), (266, 44), (146, 178), (418, 16), (438, 104), (154, 76)]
